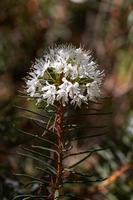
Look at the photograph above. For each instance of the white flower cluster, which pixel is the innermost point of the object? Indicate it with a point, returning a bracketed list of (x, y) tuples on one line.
[(66, 74)]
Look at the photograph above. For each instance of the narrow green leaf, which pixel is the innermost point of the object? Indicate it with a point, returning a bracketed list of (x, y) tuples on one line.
[(83, 152), (96, 113), (34, 119), (52, 169), (28, 195), (91, 113), (88, 136), (38, 153), (75, 126), (32, 177), (83, 181), (37, 137), (83, 159), (33, 112), (45, 149), (68, 195), (81, 174), (44, 170)]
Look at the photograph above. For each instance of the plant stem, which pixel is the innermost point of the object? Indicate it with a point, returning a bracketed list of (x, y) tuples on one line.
[(58, 127)]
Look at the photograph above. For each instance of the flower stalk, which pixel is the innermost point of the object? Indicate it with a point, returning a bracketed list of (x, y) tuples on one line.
[(59, 122)]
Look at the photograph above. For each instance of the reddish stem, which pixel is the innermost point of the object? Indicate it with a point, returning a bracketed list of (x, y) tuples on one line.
[(58, 127)]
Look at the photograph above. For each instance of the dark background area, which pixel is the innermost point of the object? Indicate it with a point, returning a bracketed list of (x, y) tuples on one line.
[(27, 28)]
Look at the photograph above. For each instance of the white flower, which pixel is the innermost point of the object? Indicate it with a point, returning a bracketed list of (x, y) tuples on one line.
[(65, 74), (40, 67), (63, 96), (62, 93), (78, 99), (73, 90), (49, 93), (32, 84)]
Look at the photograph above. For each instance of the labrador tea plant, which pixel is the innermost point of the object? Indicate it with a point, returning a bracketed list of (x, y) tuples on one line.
[(63, 81)]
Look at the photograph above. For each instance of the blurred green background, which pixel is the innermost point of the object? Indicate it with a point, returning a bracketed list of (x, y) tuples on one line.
[(27, 27)]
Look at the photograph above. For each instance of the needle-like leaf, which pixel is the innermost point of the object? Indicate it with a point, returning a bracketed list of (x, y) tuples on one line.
[(37, 137), (85, 157)]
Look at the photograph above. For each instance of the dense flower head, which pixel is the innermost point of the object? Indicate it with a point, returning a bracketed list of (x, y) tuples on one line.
[(65, 74)]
